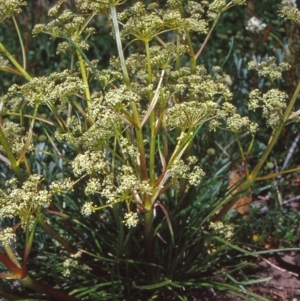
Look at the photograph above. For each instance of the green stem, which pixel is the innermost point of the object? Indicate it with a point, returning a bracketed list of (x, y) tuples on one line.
[(21, 42), (153, 130), (276, 134), (29, 240), (14, 62), (113, 12), (207, 37), (139, 134), (230, 200), (182, 145), (11, 266), (84, 78), (148, 227), (148, 237)]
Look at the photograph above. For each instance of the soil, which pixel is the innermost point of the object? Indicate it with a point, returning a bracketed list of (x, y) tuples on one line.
[(284, 285)]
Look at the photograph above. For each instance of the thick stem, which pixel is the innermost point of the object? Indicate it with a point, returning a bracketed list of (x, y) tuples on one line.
[(12, 267), (152, 121), (148, 239)]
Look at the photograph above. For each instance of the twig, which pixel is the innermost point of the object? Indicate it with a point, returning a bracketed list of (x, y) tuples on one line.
[(291, 151), (277, 267), (295, 198)]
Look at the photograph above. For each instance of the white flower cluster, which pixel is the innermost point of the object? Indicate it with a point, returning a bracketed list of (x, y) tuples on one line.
[(87, 208), (131, 219), (181, 170), (24, 201), (223, 230), (10, 7), (288, 10), (255, 25), (48, 89), (273, 103), (7, 236), (269, 68), (91, 162), (15, 136), (62, 186)]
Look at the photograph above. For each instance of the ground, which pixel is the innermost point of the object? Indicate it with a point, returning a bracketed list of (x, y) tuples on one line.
[(284, 285)]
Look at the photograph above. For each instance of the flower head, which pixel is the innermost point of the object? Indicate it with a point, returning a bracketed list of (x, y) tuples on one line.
[(288, 10), (10, 7), (255, 25)]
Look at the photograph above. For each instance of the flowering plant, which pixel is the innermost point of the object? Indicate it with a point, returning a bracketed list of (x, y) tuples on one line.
[(129, 130)]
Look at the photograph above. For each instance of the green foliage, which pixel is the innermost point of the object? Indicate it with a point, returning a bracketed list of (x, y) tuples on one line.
[(114, 181)]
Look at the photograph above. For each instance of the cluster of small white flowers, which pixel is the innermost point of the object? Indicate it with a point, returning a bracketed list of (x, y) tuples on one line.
[(181, 170), (7, 236), (273, 102), (15, 136), (195, 177), (255, 25), (69, 264), (143, 27), (190, 114), (90, 162), (47, 89), (145, 187), (216, 7), (77, 255), (3, 62), (109, 191), (120, 98), (54, 10), (94, 6), (62, 186), (128, 147), (127, 180), (106, 125), (93, 186), (288, 10), (87, 208), (269, 68), (10, 7), (131, 219), (224, 230), (236, 123), (192, 159), (24, 201)]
